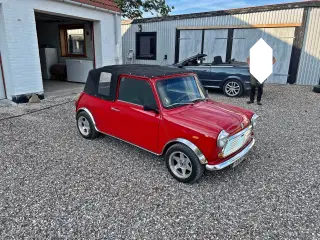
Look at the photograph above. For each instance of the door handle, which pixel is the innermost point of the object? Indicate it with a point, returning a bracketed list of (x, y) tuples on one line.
[(115, 109)]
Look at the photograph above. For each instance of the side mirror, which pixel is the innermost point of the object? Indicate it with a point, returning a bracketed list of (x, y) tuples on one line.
[(151, 109)]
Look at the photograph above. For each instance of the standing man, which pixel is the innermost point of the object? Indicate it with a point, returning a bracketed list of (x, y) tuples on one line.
[(255, 83)]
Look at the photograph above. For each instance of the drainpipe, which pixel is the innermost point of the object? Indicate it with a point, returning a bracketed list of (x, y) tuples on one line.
[(88, 6), (2, 75), (116, 37)]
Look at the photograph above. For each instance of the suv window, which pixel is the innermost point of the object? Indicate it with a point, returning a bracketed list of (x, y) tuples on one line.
[(137, 92)]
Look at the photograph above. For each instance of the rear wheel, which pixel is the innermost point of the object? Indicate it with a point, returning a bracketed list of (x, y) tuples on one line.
[(86, 126), (183, 164), (233, 88)]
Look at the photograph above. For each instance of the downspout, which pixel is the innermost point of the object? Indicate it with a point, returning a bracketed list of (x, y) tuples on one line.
[(116, 32), (2, 74), (88, 6)]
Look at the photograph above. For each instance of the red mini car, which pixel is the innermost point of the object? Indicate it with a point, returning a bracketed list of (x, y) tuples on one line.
[(166, 112)]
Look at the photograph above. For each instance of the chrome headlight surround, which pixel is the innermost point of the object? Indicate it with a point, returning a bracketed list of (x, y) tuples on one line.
[(222, 139), (254, 120)]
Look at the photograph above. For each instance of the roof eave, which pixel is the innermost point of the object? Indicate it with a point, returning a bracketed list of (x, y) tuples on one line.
[(275, 7)]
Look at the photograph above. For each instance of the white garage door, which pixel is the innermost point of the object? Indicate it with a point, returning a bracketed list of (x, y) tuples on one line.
[(215, 44), (280, 39), (190, 43)]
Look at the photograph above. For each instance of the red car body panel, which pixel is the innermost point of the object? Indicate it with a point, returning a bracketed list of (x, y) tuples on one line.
[(200, 123)]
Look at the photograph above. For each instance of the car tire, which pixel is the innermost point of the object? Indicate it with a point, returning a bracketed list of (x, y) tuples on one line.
[(316, 88), (85, 126), (233, 88), (183, 164)]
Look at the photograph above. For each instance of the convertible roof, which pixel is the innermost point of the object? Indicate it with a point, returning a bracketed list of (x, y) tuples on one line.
[(141, 70)]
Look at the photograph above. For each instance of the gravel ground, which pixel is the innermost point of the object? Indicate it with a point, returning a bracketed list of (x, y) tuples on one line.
[(56, 185)]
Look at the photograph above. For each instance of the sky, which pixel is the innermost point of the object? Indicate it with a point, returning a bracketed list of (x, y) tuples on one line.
[(193, 6)]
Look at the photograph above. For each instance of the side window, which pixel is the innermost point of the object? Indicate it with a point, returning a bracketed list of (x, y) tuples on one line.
[(104, 84), (137, 92)]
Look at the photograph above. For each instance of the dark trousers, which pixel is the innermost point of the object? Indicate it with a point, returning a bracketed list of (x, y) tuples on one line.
[(255, 84)]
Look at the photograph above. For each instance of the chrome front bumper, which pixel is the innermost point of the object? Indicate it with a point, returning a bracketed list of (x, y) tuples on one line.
[(232, 160)]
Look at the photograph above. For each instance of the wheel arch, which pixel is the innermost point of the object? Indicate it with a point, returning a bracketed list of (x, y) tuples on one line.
[(187, 143), (83, 109), (231, 78)]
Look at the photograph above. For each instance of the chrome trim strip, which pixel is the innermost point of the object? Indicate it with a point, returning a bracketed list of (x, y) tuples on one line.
[(211, 86), (221, 66), (211, 80), (186, 142), (193, 147), (129, 143), (231, 160), (240, 133), (129, 103), (236, 135), (90, 114)]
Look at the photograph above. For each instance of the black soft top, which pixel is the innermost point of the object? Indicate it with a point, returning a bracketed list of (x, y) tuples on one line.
[(94, 84)]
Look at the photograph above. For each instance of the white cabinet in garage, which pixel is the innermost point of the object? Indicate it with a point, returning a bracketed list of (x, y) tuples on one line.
[(215, 44), (190, 43), (279, 39)]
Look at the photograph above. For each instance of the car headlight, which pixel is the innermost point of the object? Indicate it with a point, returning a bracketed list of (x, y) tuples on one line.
[(254, 120), (222, 139)]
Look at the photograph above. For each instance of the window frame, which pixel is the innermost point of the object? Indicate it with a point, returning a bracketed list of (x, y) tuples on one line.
[(154, 92), (98, 88), (63, 36), (199, 85), (138, 35)]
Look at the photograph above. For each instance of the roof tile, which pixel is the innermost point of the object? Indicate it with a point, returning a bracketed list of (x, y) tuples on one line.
[(105, 4)]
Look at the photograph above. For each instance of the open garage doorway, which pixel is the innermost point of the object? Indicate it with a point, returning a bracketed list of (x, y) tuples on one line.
[(66, 50)]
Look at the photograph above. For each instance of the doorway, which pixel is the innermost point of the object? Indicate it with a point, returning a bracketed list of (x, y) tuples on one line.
[(66, 50)]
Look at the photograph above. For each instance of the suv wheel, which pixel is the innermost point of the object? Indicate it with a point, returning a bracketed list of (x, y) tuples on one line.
[(233, 88), (183, 164), (86, 126)]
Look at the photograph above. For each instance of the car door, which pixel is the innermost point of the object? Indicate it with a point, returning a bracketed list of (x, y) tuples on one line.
[(203, 72), (129, 120), (218, 73)]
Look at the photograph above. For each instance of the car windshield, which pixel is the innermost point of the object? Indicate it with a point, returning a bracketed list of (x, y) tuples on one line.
[(175, 92)]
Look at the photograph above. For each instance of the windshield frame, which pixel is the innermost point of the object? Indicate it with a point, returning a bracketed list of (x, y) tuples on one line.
[(177, 105)]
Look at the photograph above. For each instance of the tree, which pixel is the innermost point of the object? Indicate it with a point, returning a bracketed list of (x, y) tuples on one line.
[(135, 8)]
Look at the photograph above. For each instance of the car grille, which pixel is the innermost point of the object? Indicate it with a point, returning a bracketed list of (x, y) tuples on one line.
[(237, 141)]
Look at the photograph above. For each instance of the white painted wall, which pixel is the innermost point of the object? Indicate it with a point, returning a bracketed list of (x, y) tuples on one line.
[(2, 94), (20, 45)]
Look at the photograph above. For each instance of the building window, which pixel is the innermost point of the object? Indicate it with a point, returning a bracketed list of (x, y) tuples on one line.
[(146, 45), (72, 41)]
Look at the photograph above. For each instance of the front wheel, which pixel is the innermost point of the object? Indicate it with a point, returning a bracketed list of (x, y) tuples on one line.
[(183, 164), (233, 88)]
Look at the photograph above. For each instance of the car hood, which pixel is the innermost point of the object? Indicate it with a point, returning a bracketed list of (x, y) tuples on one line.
[(212, 117)]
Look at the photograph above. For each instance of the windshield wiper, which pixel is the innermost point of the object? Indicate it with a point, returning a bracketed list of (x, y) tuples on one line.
[(180, 104), (199, 99)]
